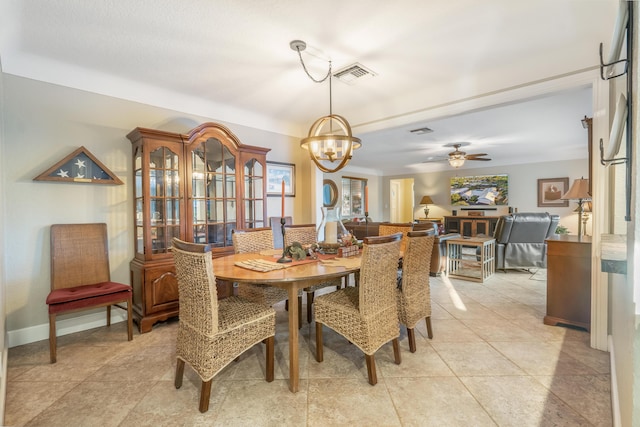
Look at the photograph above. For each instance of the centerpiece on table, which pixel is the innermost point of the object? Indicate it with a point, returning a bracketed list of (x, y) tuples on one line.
[(331, 231)]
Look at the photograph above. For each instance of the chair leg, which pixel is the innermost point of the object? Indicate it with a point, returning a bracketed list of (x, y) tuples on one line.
[(319, 354), (52, 338), (310, 296), (371, 369), (412, 340), (429, 330), (205, 395), (270, 357), (396, 351), (299, 311), (130, 319), (179, 373), (108, 315)]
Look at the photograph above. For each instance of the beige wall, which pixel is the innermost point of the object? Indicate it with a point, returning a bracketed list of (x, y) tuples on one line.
[(523, 182), (44, 123)]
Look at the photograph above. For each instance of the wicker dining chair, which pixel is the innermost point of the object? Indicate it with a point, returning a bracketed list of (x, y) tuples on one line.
[(211, 332), (251, 240), (366, 315), (305, 234), (388, 228), (414, 296)]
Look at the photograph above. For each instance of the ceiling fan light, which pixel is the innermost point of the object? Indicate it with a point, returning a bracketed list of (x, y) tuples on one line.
[(456, 162)]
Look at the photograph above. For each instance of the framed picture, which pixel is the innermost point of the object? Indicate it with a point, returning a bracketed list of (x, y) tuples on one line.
[(278, 172), (550, 191)]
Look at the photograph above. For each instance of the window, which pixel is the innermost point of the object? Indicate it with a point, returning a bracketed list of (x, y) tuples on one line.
[(353, 197)]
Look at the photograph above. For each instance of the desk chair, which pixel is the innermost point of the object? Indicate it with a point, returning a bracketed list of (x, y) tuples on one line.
[(212, 332), (80, 276), (366, 315)]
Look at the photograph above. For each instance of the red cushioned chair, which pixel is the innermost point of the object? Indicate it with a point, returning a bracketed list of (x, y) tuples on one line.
[(80, 276)]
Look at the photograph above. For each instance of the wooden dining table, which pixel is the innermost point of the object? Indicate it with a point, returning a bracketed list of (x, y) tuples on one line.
[(292, 278)]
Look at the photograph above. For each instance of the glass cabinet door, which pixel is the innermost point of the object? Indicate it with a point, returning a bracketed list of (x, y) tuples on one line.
[(253, 197), (138, 200), (213, 193), (164, 198)]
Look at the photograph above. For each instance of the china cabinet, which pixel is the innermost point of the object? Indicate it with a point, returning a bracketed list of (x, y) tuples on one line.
[(197, 187)]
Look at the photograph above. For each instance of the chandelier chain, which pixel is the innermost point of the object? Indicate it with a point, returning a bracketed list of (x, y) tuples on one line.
[(307, 71)]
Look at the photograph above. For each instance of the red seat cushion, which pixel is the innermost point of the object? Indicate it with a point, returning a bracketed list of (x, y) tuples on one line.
[(86, 296)]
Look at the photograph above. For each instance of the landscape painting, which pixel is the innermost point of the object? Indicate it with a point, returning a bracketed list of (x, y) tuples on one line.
[(482, 190)]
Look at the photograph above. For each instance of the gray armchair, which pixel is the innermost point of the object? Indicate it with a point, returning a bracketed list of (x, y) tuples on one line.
[(520, 239)]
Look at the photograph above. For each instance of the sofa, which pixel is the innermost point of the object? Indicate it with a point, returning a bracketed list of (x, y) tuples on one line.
[(520, 239), (360, 230)]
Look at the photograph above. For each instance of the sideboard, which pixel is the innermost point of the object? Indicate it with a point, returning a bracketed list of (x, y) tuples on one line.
[(569, 281), (471, 225)]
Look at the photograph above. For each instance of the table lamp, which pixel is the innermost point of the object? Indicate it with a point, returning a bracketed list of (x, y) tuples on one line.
[(426, 201), (586, 210), (579, 191)]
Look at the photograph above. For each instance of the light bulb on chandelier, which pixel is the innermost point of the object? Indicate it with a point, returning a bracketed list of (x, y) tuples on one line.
[(330, 139)]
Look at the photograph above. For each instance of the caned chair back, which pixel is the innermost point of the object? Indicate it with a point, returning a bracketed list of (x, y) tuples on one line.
[(79, 255), (378, 274), (198, 297), (305, 234), (431, 227), (252, 240), (387, 229), (416, 263)]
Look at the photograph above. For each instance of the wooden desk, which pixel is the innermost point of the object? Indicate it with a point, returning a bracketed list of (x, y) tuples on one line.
[(468, 266), (569, 281), (292, 279)]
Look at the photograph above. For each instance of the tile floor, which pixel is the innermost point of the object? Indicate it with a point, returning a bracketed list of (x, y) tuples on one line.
[(491, 362)]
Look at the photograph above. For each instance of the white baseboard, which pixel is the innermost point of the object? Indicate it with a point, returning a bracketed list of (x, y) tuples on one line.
[(64, 327), (615, 398)]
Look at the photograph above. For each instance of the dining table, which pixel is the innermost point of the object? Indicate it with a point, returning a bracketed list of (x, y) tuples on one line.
[(293, 277)]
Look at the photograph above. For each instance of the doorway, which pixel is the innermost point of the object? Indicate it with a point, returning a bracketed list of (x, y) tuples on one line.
[(401, 200)]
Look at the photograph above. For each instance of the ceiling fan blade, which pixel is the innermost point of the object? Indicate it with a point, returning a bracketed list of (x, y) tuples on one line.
[(436, 159), (476, 155), (478, 158)]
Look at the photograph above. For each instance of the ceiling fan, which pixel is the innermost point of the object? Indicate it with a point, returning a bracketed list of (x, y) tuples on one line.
[(457, 158)]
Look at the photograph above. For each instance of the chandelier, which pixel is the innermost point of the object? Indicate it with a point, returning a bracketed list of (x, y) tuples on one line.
[(330, 142)]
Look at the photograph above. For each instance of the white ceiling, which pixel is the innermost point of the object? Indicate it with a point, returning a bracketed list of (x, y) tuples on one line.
[(230, 60)]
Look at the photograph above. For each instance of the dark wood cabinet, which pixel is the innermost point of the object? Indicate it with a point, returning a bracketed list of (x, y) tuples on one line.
[(471, 226), (197, 187), (569, 281)]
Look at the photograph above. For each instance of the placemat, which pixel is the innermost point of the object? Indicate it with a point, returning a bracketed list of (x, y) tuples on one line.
[(259, 264), (351, 262)]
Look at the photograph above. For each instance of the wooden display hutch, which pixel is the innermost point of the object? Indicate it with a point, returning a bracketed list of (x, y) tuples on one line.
[(197, 187)]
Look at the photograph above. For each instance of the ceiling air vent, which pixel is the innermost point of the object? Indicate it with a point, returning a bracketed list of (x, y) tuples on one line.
[(421, 131), (353, 73)]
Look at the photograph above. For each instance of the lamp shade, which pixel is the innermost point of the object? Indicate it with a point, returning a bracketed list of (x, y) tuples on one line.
[(579, 190), (426, 200)]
